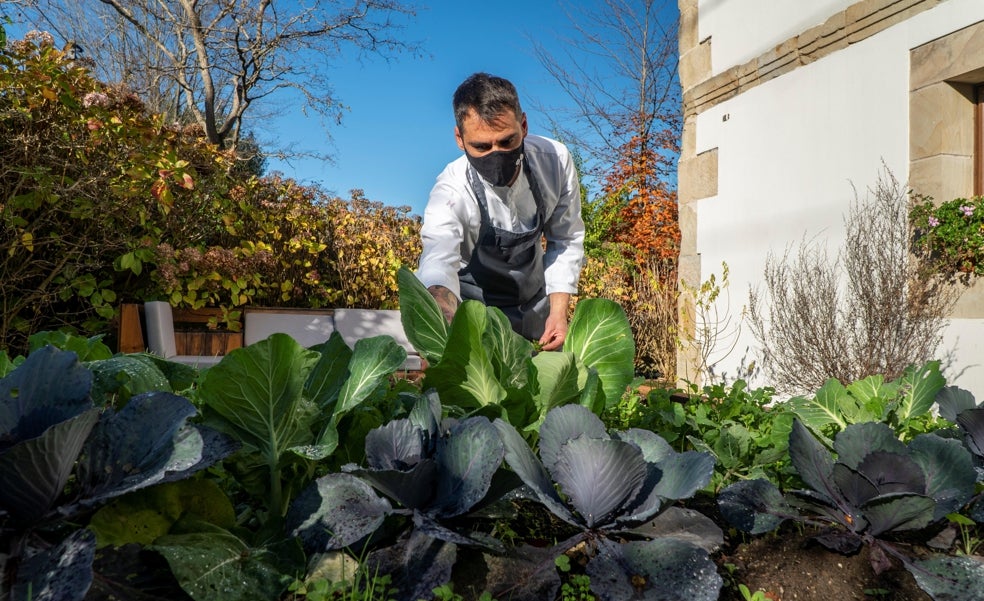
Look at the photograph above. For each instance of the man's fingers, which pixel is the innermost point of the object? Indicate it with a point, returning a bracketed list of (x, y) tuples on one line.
[(554, 342)]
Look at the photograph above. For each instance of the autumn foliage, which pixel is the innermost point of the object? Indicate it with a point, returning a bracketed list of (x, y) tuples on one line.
[(102, 202), (649, 222), (633, 242)]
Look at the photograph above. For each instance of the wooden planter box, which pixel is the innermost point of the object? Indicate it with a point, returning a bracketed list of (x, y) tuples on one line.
[(191, 333), (208, 343)]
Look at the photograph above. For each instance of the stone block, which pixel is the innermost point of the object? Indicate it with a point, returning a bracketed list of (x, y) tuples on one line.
[(952, 57), (695, 65), (943, 177), (941, 121), (698, 177), (688, 228), (869, 17), (689, 25)]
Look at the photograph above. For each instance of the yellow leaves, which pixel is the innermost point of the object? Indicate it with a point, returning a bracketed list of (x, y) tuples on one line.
[(49, 94), (162, 194), (293, 247), (229, 220), (27, 240)]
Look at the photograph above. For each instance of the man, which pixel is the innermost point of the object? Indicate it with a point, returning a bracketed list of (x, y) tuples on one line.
[(489, 210)]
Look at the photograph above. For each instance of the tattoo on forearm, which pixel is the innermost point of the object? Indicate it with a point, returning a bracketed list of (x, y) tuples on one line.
[(446, 300)]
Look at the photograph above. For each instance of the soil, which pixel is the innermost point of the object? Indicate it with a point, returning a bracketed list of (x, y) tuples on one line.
[(789, 566), (786, 565)]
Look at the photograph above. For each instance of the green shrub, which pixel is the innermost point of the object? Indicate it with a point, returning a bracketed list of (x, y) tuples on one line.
[(89, 183), (950, 236), (277, 243), (742, 428), (102, 203)]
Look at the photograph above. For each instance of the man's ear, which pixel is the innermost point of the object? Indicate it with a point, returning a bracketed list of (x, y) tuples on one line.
[(458, 138)]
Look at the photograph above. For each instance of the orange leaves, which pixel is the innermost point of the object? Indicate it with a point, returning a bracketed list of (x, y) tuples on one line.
[(649, 215), (633, 242)]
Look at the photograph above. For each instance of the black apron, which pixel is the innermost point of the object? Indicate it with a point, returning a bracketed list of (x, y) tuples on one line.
[(506, 268)]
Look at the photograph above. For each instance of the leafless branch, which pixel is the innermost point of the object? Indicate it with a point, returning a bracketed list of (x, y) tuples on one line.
[(873, 308)]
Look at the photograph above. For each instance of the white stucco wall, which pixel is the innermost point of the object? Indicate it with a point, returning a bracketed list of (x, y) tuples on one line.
[(741, 30), (790, 149)]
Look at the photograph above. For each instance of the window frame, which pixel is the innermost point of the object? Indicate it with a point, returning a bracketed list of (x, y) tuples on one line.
[(979, 139)]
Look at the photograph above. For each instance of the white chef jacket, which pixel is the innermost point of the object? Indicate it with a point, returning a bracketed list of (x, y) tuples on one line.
[(452, 218)]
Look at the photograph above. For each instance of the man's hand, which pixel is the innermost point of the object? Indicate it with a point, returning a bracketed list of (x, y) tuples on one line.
[(446, 300), (555, 329)]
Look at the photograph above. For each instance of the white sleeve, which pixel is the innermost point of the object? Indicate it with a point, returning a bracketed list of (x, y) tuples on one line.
[(442, 238), (565, 234)]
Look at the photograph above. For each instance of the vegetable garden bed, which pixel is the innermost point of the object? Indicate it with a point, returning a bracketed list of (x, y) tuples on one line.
[(131, 477)]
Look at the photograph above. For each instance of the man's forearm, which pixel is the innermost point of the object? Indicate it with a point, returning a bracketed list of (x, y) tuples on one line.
[(446, 300), (560, 303)]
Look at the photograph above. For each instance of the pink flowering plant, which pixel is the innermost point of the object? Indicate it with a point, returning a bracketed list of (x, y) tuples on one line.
[(950, 236)]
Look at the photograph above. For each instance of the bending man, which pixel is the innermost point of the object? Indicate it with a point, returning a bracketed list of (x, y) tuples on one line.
[(490, 210)]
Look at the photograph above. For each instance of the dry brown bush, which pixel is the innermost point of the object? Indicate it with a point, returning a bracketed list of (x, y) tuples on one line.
[(871, 309), (653, 317)]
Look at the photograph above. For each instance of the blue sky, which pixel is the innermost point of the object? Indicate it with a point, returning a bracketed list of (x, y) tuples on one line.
[(398, 132)]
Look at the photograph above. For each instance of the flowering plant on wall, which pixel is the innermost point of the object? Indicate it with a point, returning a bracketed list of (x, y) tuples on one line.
[(950, 236)]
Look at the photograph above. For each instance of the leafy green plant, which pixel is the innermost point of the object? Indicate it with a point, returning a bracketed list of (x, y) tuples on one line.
[(51, 433), (363, 586), (609, 487), (969, 541), (742, 428), (494, 371), (445, 592), (950, 236), (577, 588), (431, 472), (285, 402), (959, 406), (748, 595), (876, 487), (286, 406), (903, 404), (7, 364)]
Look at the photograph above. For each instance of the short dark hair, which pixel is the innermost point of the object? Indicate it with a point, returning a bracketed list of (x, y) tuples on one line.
[(488, 95)]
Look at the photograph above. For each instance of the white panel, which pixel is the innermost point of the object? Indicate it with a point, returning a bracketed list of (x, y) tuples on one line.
[(966, 338), (308, 329), (355, 324)]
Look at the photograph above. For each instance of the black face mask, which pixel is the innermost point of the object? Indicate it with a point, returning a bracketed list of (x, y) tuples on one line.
[(499, 167)]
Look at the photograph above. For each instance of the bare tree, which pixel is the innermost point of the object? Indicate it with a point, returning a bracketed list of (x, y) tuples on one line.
[(213, 62), (620, 73), (619, 70), (871, 309)]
